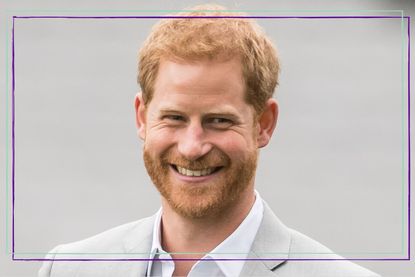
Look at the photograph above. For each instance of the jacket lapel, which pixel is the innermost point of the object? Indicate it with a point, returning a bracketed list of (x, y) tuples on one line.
[(270, 248), (137, 245)]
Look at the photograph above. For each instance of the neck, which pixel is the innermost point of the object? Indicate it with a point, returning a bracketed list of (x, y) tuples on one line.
[(201, 235)]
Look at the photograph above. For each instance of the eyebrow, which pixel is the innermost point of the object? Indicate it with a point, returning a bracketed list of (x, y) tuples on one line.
[(169, 110)]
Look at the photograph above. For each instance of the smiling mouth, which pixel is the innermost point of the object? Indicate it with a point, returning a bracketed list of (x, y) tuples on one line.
[(195, 173)]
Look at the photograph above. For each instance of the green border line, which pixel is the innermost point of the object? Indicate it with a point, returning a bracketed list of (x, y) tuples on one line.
[(174, 11)]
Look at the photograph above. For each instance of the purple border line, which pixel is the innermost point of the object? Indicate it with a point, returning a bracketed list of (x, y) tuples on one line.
[(409, 137), (201, 17), (204, 260), (254, 17), (13, 140)]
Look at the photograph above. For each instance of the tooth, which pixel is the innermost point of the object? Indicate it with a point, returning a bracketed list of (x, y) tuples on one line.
[(189, 172), (197, 173)]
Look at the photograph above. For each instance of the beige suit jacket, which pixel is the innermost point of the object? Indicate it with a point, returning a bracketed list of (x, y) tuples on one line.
[(274, 241)]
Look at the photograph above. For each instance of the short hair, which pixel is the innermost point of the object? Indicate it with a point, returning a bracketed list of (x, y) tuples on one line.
[(213, 36)]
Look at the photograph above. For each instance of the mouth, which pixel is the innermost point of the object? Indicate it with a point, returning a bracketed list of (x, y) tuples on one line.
[(196, 172)]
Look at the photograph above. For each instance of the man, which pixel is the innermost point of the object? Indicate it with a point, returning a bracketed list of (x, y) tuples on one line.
[(205, 110)]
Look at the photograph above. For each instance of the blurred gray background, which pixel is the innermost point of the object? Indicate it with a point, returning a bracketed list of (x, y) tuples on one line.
[(335, 169)]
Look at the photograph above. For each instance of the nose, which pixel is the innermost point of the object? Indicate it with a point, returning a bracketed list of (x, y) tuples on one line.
[(192, 142)]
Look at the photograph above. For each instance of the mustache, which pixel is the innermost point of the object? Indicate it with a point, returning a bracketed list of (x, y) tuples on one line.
[(215, 158)]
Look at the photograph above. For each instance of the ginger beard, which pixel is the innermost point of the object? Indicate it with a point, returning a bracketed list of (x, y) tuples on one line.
[(208, 198)]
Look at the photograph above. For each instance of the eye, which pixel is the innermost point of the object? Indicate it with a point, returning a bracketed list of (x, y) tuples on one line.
[(173, 117), (219, 122)]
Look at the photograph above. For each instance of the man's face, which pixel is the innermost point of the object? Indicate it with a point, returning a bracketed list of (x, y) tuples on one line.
[(200, 138)]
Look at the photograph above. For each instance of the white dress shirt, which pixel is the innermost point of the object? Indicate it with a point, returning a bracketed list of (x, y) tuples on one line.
[(236, 246)]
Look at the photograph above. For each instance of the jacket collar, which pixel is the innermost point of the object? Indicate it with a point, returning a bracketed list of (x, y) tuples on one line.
[(137, 244), (272, 241), (138, 240)]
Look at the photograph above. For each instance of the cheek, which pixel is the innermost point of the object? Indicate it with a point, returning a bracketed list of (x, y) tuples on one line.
[(159, 141), (235, 146)]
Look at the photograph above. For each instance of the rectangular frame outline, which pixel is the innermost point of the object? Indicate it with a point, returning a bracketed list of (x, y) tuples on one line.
[(402, 17)]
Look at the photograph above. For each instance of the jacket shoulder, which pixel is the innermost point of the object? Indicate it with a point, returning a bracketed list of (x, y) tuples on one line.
[(102, 252), (301, 243), (111, 240), (325, 263)]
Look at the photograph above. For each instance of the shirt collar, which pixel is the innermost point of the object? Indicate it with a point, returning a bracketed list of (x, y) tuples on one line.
[(155, 245), (236, 246)]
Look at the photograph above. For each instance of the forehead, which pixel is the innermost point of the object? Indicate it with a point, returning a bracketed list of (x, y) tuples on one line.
[(203, 72), (199, 78)]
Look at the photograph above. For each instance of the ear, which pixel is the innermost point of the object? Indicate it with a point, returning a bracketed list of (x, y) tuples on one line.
[(140, 115), (267, 122)]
